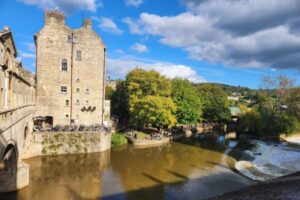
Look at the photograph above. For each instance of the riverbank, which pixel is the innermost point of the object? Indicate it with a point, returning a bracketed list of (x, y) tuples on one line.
[(287, 187), (293, 139)]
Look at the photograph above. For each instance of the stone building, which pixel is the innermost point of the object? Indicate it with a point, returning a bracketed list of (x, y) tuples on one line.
[(17, 85), (70, 73), (17, 98)]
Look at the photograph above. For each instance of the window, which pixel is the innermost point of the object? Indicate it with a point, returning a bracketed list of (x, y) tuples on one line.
[(77, 90), (77, 102), (67, 116), (64, 65), (70, 38), (63, 89), (78, 55), (86, 101), (87, 90), (78, 79), (67, 102)]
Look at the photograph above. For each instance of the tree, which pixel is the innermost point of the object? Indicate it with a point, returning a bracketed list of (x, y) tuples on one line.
[(215, 103), (143, 86), (154, 111), (108, 92), (293, 103), (276, 104), (119, 102), (189, 105)]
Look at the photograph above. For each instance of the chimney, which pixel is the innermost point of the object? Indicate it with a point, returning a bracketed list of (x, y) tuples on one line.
[(87, 23), (54, 17)]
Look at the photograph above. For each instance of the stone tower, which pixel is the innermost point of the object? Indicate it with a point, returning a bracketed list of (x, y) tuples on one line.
[(70, 73)]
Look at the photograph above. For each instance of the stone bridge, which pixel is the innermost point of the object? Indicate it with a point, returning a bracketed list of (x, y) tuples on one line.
[(15, 129), (17, 99)]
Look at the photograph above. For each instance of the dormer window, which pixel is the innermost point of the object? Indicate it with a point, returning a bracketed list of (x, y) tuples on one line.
[(64, 65)]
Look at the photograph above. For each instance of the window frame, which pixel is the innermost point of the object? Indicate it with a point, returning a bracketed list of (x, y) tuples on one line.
[(78, 52), (62, 66), (61, 89)]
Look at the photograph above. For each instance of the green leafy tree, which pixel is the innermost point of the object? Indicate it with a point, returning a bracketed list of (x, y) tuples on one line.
[(276, 103), (119, 102), (108, 92), (189, 105), (215, 103), (154, 111), (143, 86)]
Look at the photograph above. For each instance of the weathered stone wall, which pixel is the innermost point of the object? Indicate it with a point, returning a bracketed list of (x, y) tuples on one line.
[(56, 143), (84, 79)]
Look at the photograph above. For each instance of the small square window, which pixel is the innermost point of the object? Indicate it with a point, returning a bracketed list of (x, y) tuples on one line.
[(63, 89), (78, 55), (67, 116), (77, 102), (67, 102), (87, 90), (70, 39), (86, 101), (77, 90), (77, 79)]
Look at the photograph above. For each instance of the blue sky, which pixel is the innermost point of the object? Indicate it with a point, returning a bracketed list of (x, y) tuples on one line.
[(231, 42)]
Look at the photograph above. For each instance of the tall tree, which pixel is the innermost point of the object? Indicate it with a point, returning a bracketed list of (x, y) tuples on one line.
[(120, 102), (215, 103), (189, 105), (143, 86), (154, 111)]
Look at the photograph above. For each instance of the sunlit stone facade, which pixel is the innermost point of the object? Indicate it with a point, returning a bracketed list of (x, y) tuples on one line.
[(70, 72)]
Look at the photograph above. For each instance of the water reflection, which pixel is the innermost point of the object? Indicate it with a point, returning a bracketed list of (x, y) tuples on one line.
[(192, 169)]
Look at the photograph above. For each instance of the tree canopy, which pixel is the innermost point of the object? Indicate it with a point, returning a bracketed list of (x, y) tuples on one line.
[(189, 105), (215, 103)]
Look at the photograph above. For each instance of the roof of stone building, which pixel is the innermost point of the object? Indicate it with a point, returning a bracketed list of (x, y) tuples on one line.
[(5, 34)]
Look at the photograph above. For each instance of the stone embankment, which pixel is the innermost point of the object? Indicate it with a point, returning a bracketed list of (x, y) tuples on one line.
[(56, 143)]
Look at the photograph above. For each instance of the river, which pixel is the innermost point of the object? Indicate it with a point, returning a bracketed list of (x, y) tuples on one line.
[(195, 168)]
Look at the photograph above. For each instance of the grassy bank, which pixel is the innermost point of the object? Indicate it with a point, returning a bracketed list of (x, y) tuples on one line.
[(118, 139)]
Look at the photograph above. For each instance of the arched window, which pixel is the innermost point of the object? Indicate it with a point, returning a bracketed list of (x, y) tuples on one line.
[(64, 65)]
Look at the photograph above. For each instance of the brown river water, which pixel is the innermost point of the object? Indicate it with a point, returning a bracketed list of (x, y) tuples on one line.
[(195, 168)]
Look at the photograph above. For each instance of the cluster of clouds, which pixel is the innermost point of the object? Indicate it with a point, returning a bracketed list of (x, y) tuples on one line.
[(118, 67), (237, 33), (69, 6), (242, 33)]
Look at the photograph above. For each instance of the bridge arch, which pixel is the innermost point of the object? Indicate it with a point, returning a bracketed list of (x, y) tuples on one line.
[(9, 158)]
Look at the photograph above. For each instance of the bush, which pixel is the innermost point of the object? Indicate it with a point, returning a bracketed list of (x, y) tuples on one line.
[(118, 139), (262, 124)]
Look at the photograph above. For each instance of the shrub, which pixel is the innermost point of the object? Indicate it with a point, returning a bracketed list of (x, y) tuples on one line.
[(118, 139)]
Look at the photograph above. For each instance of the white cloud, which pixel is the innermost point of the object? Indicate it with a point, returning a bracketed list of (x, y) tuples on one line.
[(66, 6), (140, 48), (248, 33), (108, 25), (134, 3), (27, 55), (118, 68), (119, 51), (30, 46)]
